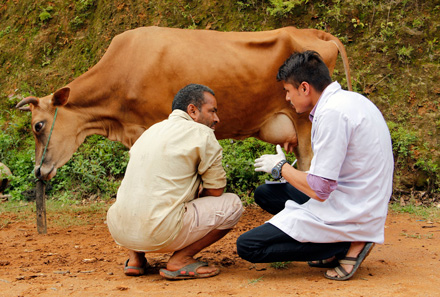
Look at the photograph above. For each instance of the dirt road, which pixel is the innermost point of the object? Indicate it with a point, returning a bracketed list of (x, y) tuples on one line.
[(84, 261)]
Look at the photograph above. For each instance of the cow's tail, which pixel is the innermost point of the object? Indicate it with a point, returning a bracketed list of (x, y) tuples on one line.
[(344, 57)]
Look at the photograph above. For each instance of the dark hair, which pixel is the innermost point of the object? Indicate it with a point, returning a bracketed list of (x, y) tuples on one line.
[(305, 67), (191, 94)]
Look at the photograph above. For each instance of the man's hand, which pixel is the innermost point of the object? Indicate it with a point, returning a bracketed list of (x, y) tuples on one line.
[(267, 162), (211, 192)]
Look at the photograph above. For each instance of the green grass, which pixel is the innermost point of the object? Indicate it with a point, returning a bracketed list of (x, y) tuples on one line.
[(431, 213), (280, 265), (58, 213), (254, 281), (417, 235)]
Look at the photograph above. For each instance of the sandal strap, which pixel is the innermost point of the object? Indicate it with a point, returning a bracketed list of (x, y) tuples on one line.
[(191, 269), (348, 261), (341, 271)]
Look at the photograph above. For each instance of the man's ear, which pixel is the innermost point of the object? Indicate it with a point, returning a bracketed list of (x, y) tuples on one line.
[(193, 111), (305, 88)]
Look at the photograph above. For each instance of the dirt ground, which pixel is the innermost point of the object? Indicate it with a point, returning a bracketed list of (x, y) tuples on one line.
[(85, 261)]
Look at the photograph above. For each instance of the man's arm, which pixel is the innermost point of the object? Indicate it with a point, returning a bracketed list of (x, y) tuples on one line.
[(314, 186), (211, 192), (298, 179), (211, 170)]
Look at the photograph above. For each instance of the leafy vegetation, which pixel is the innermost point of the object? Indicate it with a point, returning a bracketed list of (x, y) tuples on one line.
[(284, 7), (95, 169), (238, 161), (393, 49)]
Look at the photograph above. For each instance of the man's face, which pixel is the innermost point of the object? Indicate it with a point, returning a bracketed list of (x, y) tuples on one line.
[(208, 113), (297, 97)]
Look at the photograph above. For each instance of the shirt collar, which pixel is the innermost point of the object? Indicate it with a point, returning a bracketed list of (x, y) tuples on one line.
[(312, 113), (334, 86), (180, 114)]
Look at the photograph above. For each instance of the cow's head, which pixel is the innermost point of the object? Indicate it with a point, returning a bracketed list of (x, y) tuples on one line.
[(63, 140)]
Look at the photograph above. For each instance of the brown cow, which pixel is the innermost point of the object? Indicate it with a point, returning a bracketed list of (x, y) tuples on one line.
[(134, 83)]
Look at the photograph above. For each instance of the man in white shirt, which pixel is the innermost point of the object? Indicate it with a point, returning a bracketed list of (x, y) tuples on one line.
[(171, 198), (333, 214)]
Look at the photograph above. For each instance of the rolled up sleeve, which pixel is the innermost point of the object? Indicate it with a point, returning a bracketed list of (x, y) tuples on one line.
[(210, 168), (323, 187)]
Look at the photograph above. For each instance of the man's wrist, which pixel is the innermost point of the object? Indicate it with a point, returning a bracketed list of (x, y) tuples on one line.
[(276, 170)]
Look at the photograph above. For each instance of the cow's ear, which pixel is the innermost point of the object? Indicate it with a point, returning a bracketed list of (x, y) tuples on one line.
[(61, 96)]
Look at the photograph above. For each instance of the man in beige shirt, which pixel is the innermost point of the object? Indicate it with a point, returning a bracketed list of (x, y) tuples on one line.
[(171, 164)]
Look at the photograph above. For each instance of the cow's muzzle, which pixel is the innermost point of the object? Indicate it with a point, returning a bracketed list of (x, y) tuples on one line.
[(45, 173)]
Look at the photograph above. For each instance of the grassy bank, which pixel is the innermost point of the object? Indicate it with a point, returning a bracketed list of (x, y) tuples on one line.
[(393, 49)]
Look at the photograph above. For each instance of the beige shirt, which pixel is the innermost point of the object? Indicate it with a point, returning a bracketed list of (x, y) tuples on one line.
[(167, 164)]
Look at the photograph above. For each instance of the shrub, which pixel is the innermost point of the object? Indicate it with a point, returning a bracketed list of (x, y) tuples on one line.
[(95, 169), (16, 152), (45, 14), (283, 7), (238, 161), (403, 141)]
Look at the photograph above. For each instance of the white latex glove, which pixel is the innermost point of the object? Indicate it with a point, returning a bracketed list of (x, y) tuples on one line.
[(267, 162)]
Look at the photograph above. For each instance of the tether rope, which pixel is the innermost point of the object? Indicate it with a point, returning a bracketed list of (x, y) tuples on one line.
[(50, 134)]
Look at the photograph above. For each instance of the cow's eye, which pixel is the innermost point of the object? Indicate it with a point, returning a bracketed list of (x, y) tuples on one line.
[(39, 126)]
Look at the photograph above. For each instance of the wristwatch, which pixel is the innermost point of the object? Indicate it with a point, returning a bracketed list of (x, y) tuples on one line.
[(276, 171)]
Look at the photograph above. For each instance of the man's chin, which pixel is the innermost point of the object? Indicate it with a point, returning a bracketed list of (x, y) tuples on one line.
[(293, 107)]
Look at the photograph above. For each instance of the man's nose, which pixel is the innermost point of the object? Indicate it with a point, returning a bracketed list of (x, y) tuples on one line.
[(216, 118)]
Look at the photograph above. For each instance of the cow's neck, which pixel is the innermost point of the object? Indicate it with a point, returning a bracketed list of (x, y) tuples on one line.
[(98, 109)]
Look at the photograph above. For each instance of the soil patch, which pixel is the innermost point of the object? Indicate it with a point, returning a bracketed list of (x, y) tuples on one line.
[(85, 261)]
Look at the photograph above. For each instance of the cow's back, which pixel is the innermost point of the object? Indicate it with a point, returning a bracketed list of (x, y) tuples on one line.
[(134, 83), (241, 68)]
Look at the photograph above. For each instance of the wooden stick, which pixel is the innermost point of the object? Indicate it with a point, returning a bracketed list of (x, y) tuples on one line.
[(40, 200)]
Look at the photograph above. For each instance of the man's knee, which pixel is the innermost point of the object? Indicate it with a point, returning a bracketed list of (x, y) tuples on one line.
[(261, 194), (243, 248), (233, 198), (235, 210)]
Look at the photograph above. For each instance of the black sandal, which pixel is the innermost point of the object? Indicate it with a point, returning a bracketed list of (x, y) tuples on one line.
[(324, 263), (355, 262)]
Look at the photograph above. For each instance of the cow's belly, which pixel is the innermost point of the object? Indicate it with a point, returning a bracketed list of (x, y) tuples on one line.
[(279, 129)]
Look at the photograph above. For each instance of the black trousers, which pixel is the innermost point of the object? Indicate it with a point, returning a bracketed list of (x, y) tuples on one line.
[(267, 243)]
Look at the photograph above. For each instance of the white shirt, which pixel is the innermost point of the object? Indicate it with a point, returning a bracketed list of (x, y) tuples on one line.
[(167, 164), (351, 144)]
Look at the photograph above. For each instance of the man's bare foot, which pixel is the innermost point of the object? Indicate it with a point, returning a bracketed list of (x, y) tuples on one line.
[(136, 259), (135, 264)]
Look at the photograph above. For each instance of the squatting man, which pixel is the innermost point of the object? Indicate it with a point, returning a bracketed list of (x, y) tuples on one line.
[(171, 198), (332, 215)]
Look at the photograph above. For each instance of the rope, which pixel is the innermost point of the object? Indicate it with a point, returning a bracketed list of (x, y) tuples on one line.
[(50, 134)]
